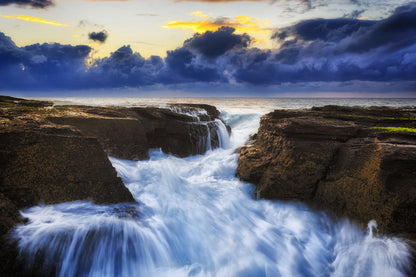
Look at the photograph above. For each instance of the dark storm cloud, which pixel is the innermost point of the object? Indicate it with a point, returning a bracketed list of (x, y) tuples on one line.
[(124, 68), (98, 36), (337, 52), (323, 29), (39, 4), (396, 32), (182, 65), (9, 52), (342, 50), (41, 65), (214, 44)]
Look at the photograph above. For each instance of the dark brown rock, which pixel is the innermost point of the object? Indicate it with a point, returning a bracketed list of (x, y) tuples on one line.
[(123, 138), (129, 133), (176, 133), (9, 217), (182, 132), (284, 147), (48, 163), (53, 169), (331, 158)]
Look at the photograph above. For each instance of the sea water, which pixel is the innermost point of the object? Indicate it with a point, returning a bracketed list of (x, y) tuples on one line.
[(193, 217)]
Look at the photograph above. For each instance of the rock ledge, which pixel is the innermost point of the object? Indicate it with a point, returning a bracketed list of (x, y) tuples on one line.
[(356, 162)]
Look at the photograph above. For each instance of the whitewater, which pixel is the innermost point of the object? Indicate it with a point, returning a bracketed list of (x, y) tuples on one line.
[(193, 217)]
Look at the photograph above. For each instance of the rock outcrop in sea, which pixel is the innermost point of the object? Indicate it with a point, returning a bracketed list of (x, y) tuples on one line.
[(58, 154), (358, 163)]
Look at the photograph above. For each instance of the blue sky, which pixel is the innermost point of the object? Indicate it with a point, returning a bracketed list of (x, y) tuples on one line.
[(203, 48)]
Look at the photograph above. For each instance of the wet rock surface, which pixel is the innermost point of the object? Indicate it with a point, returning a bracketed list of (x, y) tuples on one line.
[(58, 154), (355, 162)]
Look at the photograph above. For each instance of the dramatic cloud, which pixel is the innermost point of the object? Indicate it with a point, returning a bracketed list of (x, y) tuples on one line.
[(124, 68), (214, 44), (10, 54), (394, 33), (322, 29), (318, 54), (41, 65), (34, 19), (343, 36), (39, 4), (183, 66), (98, 36)]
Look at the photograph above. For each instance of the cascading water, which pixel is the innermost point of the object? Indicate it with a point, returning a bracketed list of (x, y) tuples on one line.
[(222, 133), (205, 143), (208, 139), (195, 218), (196, 113)]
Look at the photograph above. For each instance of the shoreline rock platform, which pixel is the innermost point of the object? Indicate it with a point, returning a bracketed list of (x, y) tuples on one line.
[(358, 163)]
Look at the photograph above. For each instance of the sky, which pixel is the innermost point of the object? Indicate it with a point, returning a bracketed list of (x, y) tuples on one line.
[(358, 48)]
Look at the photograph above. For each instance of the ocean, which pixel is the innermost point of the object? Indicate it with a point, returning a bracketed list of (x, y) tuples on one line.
[(193, 217), (230, 104)]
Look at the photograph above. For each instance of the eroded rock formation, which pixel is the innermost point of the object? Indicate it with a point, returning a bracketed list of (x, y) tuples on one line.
[(356, 162)]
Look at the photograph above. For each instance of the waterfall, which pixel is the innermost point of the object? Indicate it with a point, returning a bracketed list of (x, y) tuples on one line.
[(205, 141), (195, 218), (222, 133), (208, 139)]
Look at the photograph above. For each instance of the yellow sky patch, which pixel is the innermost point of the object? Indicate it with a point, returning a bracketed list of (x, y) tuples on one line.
[(92, 45), (34, 19), (253, 26), (199, 14)]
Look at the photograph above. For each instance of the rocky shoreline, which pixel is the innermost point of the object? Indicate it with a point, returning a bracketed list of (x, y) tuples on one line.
[(58, 154), (358, 163)]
